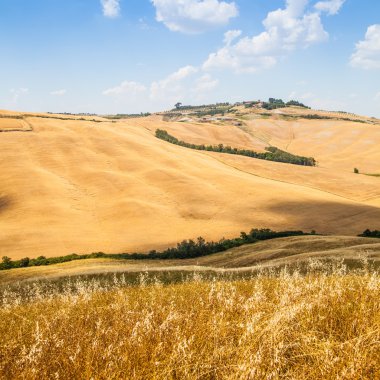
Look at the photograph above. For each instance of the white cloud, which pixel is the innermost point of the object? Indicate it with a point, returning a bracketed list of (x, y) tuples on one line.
[(184, 85), (285, 30), (332, 7), (377, 97), (111, 8), (125, 88), (327, 104), (316, 101), (205, 84), (17, 93), (194, 16), (172, 87), (367, 53), (306, 96), (230, 36), (58, 92)]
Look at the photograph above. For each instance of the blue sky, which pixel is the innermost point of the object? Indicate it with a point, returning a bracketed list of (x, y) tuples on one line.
[(131, 56)]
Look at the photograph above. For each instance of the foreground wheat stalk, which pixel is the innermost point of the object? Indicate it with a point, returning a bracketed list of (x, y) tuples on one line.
[(265, 327)]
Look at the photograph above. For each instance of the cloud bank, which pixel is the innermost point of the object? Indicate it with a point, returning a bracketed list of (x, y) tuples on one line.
[(111, 8), (367, 52), (194, 16), (286, 30)]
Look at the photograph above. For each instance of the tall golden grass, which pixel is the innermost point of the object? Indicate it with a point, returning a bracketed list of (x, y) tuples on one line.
[(284, 326)]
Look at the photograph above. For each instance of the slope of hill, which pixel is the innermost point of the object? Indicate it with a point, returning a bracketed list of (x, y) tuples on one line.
[(82, 186)]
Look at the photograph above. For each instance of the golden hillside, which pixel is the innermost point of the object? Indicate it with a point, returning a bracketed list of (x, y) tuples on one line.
[(94, 185)]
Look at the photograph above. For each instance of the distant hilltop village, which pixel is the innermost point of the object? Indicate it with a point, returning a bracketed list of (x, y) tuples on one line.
[(271, 104), (230, 112)]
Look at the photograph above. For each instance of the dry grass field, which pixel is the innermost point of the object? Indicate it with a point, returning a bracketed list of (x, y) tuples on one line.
[(286, 326), (9, 124), (83, 186)]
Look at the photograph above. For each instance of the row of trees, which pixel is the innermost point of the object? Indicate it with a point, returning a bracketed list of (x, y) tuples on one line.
[(192, 249), (184, 250), (323, 117), (8, 263), (272, 153), (180, 106), (279, 103)]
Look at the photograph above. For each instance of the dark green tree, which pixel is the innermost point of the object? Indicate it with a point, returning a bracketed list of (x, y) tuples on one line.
[(6, 262), (24, 262)]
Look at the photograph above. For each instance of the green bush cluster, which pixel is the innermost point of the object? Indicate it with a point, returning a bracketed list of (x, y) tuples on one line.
[(273, 104), (184, 250), (296, 103), (371, 234), (272, 153)]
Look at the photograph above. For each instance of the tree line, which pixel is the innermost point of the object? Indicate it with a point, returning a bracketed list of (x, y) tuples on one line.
[(271, 154), (180, 106), (184, 250)]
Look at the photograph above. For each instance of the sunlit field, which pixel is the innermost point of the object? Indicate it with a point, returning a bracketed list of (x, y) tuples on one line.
[(322, 325)]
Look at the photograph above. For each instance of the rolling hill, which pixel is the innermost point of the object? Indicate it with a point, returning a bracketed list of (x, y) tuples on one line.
[(86, 184)]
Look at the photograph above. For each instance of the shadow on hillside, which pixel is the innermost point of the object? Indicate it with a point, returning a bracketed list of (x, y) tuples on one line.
[(329, 217), (5, 202)]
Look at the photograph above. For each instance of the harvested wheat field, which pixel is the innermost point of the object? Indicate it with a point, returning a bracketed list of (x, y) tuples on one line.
[(74, 185), (14, 124), (318, 326)]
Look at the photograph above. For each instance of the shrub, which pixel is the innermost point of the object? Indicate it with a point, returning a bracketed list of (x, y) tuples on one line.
[(6, 263), (371, 234), (24, 262)]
